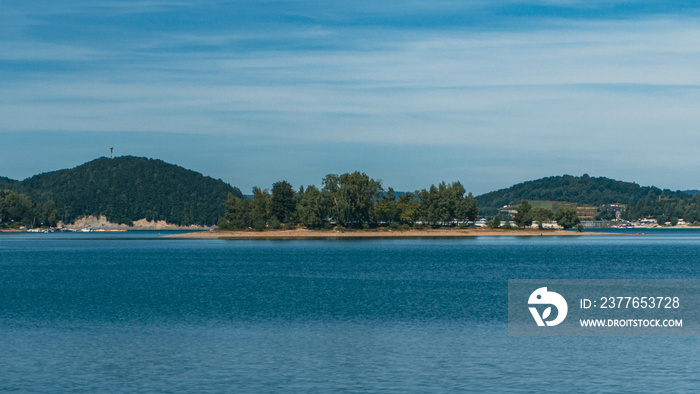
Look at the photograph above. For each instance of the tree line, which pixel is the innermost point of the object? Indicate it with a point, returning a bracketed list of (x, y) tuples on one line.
[(351, 200), (665, 210), (21, 210)]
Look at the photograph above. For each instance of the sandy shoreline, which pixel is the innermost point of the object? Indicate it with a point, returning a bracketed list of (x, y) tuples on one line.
[(302, 233)]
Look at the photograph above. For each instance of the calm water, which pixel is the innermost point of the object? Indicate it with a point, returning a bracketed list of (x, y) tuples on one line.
[(132, 311)]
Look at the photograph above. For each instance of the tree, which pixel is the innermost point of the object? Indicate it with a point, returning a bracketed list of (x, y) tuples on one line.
[(353, 196), (440, 205), (467, 208), (331, 184), (311, 208), (567, 217), (432, 210), (386, 209), (19, 209), (237, 212), (520, 218), (409, 208), (540, 215), (495, 222), (48, 214), (16, 208), (260, 212), (283, 202)]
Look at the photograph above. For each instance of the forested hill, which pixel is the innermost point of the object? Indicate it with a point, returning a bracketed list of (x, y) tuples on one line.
[(580, 190), (7, 183), (129, 188)]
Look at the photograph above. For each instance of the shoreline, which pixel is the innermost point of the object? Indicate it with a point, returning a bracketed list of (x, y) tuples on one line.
[(330, 234)]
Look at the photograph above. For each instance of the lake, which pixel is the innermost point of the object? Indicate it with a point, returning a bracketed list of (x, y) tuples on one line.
[(137, 312)]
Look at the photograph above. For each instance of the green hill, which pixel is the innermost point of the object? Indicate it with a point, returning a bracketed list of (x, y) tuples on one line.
[(580, 190), (129, 188), (7, 183)]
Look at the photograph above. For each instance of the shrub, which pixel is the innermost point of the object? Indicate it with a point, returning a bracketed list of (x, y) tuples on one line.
[(224, 224), (258, 225)]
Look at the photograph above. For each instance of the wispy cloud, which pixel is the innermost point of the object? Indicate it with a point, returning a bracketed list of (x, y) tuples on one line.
[(518, 79)]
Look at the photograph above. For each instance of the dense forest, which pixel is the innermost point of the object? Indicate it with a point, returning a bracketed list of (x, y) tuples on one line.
[(351, 200), (129, 188), (589, 190), (7, 183), (21, 210)]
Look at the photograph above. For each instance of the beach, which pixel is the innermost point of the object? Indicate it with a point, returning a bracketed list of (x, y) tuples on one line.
[(454, 232)]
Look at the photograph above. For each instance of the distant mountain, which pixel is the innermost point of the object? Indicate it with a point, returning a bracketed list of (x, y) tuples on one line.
[(691, 192), (580, 190), (129, 188)]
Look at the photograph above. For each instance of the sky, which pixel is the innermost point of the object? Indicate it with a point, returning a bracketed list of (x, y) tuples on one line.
[(411, 92)]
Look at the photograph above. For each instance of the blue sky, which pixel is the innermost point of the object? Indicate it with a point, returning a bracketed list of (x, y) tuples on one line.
[(490, 93)]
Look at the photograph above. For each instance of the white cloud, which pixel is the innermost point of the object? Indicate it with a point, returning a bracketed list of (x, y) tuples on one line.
[(588, 91)]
